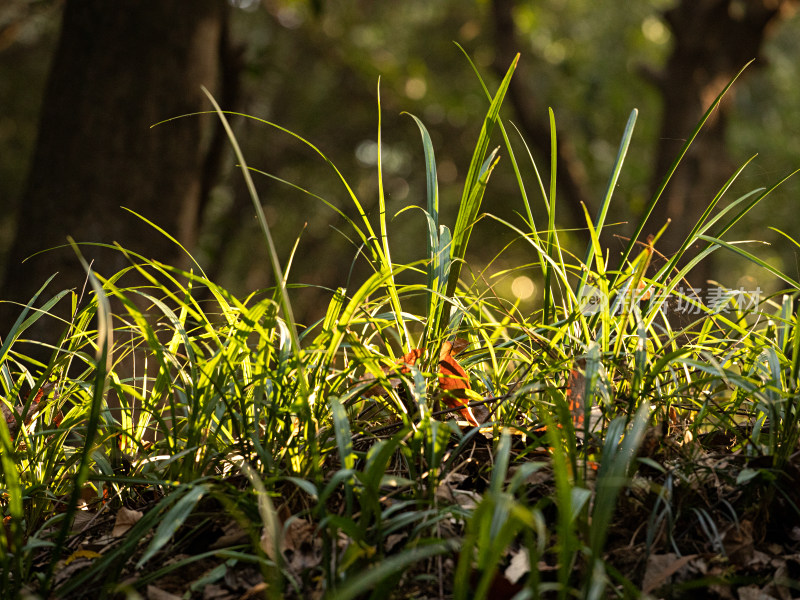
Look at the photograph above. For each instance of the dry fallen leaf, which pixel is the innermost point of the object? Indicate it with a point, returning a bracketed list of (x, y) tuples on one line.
[(232, 535), (82, 520), (519, 566), (453, 379), (126, 519), (37, 405), (156, 593), (256, 592), (575, 392), (753, 592), (660, 567), (298, 541), (301, 545), (8, 415), (393, 540), (738, 543)]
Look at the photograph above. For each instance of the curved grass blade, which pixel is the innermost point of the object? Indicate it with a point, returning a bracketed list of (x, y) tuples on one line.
[(103, 362), (20, 325), (273, 253), (386, 257), (752, 258), (436, 281), (510, 149), (552, 238), (370, 578)]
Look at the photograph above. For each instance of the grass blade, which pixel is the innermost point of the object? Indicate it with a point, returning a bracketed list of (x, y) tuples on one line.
[(473, 188), (172, 521)]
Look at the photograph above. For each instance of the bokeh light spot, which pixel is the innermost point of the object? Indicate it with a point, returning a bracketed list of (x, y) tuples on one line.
[(522, 287)]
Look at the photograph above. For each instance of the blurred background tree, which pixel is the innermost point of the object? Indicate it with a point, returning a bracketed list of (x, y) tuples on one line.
[(313, 67)]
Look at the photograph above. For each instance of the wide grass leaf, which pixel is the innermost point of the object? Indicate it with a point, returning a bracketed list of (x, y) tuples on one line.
[(172, 521)]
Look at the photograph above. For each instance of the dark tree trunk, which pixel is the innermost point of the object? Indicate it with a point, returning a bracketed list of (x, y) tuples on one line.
[(712, 41), (120, 67)]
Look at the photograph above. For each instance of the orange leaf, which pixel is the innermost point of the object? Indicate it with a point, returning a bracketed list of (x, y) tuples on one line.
[(407, 360), (452, 380), (575, 390), (452, 375)]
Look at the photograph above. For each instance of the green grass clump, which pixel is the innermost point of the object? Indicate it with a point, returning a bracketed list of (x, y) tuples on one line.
[(181, 437)]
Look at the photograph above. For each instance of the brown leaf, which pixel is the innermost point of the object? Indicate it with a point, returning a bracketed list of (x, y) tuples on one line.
[(126, 519), (232, 535), (575, 392), (301, 545), (454, 348), (660, 567), (452, 375), (7, 532), (37, 405), (407, 360), (739, 544), (410, 359), (256, 592), (10, 417), (82, 520), (156, 593)]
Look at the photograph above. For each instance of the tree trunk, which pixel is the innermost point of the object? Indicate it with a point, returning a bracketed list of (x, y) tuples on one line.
[(712, 41), (120, 67)]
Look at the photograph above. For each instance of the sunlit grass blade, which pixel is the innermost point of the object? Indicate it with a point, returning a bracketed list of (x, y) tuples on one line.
[(11, 540), (475, 183), (734, 247), (437, 241), (552, 239), (602, 212), (394, 299)]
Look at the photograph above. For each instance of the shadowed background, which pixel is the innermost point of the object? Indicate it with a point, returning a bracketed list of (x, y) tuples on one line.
[(81, 84)]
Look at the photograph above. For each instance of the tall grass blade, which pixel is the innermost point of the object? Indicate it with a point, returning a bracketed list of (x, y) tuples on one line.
[(619, 452), (475, 183), (600, 220), (713, 241), (552, 239), (394, 299), (438, 241), (103, 361), (11, 535), (277, 270)]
